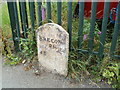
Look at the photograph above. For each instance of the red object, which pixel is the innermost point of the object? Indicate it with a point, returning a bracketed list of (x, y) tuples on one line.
[(100, 8)]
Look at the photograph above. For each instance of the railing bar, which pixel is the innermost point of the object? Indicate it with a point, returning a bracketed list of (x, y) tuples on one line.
[(23, 18), (59, 4), (32, 14), (104, 29), (116, 31), (69, 27), (116, 57), (92, 27), (96, 53), (39, 13), (17, 20), (26, 14), (14, 21), (87, 52), (49, 11), (80, 27)]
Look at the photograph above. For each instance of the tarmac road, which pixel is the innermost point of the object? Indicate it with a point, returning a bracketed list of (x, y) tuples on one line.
[(16, 77)]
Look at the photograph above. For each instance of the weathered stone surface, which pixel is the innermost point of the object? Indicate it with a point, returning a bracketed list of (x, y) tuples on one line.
[(53, 45)]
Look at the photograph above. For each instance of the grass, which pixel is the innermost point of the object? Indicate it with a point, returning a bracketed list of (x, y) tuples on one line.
[(6, 26), (89, 65), (6, 30), (0, 14)]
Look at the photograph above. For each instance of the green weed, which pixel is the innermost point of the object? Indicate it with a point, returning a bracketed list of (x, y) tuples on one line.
[(78, 63)]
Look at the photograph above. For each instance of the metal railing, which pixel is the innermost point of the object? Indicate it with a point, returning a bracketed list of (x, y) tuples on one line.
[(13, 13)]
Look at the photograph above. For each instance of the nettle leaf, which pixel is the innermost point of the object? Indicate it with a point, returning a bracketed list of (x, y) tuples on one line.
[(118, 78), (114, 69), (109, 81), (108, 74)]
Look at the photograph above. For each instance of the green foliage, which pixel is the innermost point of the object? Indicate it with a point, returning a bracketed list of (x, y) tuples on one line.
[(12, 60), (112, 74), (28, 47), (8, 52), (91, 64), (76, 67), (5, 21), (28, 50), (84, 64), (88, 65)]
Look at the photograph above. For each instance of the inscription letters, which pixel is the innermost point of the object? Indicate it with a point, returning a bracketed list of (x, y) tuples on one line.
[(53, 44)]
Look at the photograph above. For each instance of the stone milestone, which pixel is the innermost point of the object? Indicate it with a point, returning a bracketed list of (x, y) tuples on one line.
[(53, 48)]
